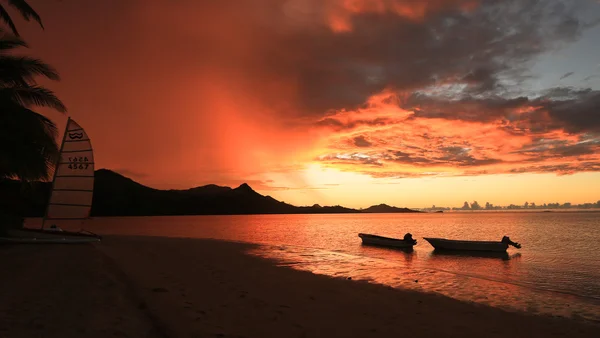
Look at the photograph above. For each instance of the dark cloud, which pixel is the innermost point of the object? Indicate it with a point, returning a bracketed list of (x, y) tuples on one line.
[(452, 156), (563, 93), (395, 175), (561, 169), (544, 149), (406, 158), (337, 70), (463, 158), (338, 125), (573, 110), (587, 78), (445, 156), (474, 157), (579, 114), (575, 150), (285, 55), (466, 108), (350, 159), (361, 141), (567, 75)]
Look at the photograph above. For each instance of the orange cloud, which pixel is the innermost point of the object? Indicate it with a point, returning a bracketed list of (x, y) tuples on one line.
[(209, 91), (369, 140), (341, 12)]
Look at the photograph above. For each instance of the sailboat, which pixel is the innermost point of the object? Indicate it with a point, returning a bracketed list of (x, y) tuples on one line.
[(70, 195)]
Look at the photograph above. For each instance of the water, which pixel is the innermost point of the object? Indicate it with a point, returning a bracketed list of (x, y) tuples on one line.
[(557, 271)]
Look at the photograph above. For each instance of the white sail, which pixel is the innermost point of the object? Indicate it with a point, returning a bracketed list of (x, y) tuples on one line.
[(73, 183)]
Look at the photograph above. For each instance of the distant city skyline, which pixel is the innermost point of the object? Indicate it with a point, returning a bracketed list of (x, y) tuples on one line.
[(527, 205)]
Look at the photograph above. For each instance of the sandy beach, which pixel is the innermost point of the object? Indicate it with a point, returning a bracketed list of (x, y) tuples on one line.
[(161, 287)]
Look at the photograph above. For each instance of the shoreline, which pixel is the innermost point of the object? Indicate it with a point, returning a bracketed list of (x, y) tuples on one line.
[(530, 302), (136, 286)]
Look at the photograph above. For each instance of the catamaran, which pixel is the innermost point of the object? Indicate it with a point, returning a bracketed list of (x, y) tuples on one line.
[(70, 195)]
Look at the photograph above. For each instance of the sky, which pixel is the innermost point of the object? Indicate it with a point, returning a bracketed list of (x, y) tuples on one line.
[(350, 102)]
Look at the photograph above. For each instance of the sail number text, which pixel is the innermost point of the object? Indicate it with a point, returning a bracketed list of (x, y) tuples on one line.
[(78, 163)]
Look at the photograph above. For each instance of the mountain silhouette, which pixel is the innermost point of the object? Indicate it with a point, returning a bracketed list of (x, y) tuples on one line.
[(117, 195)]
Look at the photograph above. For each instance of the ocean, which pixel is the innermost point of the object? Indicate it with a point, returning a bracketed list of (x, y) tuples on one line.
[(556, 272)]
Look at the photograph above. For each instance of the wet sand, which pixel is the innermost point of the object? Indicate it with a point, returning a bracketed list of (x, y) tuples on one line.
[(160, 287)]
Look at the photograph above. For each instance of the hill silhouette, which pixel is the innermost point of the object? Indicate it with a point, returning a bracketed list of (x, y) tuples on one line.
[(117, 195), (385, 209)]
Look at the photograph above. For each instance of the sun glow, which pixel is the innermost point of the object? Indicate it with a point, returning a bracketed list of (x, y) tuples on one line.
[(317, 175)]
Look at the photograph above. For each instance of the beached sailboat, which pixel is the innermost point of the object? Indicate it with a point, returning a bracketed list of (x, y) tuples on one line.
[(70, 195), (461, 245), (369, 239)]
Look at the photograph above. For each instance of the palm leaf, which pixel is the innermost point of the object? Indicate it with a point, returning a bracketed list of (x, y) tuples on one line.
[(11, 42), (32, 95), (6, 18), (22, 70), (26, 11), (28, 148)]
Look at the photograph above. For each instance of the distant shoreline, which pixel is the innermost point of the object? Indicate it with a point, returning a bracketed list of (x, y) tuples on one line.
[(356, 213), (117, 195), (518, 210)]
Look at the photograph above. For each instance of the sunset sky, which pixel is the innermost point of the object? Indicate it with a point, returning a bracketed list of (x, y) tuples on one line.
[(352, 102)]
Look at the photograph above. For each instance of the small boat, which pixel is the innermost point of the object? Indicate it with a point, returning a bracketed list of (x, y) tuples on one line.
[(70, 196), (450, 244), (406, 243)]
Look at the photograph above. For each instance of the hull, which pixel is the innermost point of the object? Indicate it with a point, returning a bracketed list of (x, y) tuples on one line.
[(39, 236), (385, 241), (456, 245)]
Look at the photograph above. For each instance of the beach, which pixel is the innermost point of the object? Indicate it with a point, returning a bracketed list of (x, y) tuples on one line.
[(129, 286)]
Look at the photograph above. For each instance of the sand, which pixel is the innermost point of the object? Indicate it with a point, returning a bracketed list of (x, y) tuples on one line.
[(160, 287)]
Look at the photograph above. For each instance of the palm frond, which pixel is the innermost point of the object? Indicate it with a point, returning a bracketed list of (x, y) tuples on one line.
[(26, 11), (28, 148), (6, 18), (32, 95), (10, 42), (22, 70)]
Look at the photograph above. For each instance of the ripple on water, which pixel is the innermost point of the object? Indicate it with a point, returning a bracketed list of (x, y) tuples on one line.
[(557, 272), (504, 294)]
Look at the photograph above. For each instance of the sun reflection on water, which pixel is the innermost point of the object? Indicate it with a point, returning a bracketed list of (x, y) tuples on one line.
[(442, 276)]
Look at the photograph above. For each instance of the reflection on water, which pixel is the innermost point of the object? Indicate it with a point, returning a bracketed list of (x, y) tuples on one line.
[(556, 271), (444, 276), (481, 254), (408, 250)]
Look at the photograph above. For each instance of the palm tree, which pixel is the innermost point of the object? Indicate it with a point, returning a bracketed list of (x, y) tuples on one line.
[(28, 148), (27, 139), (24, 9)]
